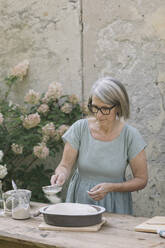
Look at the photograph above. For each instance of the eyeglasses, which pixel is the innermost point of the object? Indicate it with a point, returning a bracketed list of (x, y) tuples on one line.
[(104, 110)]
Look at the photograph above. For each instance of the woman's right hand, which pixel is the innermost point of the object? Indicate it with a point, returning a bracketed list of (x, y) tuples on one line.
[(58, 178)]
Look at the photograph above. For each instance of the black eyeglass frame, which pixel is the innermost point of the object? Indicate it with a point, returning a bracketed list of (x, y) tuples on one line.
[(100, 109)]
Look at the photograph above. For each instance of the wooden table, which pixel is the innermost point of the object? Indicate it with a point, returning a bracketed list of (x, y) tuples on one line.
[(118, 232)]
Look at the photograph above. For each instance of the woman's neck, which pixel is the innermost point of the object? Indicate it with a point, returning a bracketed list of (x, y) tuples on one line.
[(105, 132), (107, 128)]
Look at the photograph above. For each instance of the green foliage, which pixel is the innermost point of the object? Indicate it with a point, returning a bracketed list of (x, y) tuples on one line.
[(27, 168)]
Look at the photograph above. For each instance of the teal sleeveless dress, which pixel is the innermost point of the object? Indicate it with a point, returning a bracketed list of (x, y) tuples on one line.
[(102, 161)]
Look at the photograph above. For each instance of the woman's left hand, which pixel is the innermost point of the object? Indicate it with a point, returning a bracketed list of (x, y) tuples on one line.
[(99, 191)]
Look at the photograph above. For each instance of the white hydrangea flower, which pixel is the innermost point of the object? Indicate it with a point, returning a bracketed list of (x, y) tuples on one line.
[(20, 70), (54, 92), (3, 171), (31, 120), (43, 108), (1, 118), (73, 99), (1, 155), (49, 129), (66, 108), (41, 151), (17, 149), (32, 97)]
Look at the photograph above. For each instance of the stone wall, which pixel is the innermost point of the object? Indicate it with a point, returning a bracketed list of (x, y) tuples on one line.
[(126, 39), (76, 42), (47, 33)]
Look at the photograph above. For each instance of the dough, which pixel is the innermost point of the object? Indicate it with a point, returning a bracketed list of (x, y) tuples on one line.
[(71, 209)]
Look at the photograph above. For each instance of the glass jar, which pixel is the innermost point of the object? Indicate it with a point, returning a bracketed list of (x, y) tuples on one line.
[(20, 206)]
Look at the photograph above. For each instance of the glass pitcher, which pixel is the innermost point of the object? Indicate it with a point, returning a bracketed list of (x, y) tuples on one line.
[(14, 194), (1, 200)]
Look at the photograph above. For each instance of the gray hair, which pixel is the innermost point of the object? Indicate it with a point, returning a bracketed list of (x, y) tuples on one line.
[(111, 91)]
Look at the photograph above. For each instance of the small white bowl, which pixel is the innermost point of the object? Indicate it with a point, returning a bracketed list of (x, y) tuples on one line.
[(51, 189)]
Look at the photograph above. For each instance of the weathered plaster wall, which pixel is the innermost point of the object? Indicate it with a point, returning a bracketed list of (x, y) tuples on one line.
[(124, 39), (47, 33)]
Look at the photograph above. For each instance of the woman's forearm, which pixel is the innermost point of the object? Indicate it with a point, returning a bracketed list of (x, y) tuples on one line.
[(63, 170), (128, 186), (99, 191)]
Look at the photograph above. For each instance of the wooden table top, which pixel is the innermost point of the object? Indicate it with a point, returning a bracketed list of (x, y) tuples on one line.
[(118, 232)]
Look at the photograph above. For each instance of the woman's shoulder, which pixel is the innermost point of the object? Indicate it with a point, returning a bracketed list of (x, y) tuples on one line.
[(79, 124), (131, 131), (85, 121), (134, 141)]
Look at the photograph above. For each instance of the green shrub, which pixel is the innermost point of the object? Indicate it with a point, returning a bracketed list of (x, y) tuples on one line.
[(30, 135)]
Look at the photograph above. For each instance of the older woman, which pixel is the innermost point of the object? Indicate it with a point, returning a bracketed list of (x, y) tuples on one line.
[(101, 147)]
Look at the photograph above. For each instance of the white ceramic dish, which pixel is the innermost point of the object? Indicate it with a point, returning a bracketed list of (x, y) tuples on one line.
[(73, 220)]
